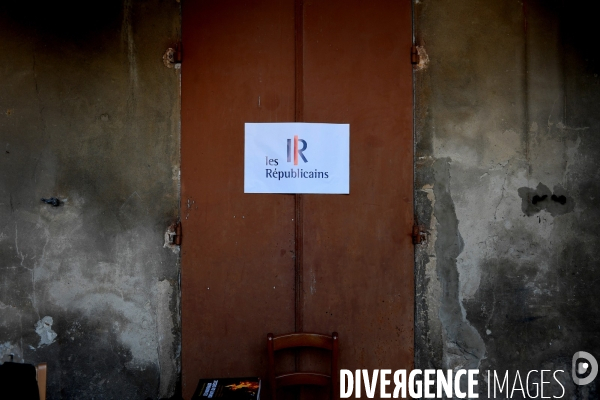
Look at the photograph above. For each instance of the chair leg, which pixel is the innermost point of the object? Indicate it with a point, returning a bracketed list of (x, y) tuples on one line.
[(271, 362), (335, 371), (41, 370)]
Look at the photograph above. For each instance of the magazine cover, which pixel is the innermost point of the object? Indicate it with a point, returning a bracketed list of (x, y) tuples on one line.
[(228, 388)]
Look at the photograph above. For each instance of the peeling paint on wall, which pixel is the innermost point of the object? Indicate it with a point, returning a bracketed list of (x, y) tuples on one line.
[(507, 154), (87, 286), (464, 347), (166, 323), (7, 349), (44, 329), (423, 58)]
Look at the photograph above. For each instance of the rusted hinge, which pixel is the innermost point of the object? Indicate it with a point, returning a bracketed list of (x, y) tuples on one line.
[(173, 235), (173, 57), (419, 234), (414, 55)]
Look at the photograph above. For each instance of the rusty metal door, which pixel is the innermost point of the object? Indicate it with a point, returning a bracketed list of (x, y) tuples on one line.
[(259, 263)]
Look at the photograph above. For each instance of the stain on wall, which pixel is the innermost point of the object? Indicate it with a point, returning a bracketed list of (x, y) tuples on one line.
[(89, 114), (507, 159)]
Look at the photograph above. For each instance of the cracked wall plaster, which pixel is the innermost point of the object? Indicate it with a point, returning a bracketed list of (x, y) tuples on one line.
[(90, 115), (44, 329), (505, 111)]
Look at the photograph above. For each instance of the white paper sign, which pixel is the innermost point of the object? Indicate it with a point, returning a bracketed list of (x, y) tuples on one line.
[(297, 158)]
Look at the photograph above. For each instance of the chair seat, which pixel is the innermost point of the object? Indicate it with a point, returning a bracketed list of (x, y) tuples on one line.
[(303, 378)]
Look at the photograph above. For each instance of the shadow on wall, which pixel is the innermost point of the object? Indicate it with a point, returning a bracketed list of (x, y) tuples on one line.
[(65, 20)]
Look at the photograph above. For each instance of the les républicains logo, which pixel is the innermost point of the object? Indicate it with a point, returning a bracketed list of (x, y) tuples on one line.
[(432, 384), (294, 154)]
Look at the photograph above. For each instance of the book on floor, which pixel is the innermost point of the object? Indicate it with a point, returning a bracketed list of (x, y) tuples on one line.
[(228, 388)]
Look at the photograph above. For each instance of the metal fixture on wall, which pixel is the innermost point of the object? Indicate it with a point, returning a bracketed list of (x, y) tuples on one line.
[(172, 57), (53, 201)]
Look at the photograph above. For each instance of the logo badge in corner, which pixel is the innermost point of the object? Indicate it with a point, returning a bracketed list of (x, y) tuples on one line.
[(296, 151), (580, 367)]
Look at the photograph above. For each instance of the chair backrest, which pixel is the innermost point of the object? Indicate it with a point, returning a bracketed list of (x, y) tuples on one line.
[(298, 340)]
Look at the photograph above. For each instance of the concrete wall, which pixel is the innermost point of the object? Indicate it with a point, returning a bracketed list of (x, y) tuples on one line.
[(507, 110), (506, 113), (90, 114)]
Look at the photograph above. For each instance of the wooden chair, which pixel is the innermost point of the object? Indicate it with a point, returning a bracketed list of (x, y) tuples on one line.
[(298, 340)]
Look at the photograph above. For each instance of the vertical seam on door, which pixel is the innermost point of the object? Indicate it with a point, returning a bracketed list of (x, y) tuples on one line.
[(298, 209)]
